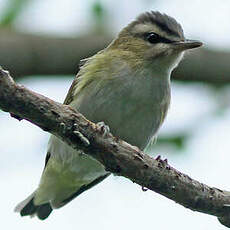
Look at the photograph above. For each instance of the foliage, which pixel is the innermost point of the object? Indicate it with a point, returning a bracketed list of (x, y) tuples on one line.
[(13, 10)]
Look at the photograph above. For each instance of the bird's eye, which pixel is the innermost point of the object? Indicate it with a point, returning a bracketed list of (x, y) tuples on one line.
[(153, 38)]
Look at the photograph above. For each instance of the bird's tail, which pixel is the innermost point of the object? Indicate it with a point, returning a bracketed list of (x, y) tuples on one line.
[(28, 208)]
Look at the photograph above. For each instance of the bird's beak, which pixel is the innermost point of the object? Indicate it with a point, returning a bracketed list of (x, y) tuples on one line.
[(186, 44)]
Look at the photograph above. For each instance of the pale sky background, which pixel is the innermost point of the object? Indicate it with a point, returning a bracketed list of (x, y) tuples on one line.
[(117, 203)]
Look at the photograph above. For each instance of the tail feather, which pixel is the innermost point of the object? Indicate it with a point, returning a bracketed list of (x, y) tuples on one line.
[(28, 208)]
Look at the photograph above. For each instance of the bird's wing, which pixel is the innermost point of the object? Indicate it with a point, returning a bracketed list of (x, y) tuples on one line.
[(83, 188), (70, 95)]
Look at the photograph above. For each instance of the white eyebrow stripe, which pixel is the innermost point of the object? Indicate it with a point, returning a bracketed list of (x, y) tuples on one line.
[(142, 28)]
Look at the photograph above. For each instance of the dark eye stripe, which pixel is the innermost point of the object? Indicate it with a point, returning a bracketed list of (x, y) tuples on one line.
[(155, 38)]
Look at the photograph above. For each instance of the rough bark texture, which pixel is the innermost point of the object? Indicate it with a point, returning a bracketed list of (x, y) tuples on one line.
[(26, 54), (116, 155)]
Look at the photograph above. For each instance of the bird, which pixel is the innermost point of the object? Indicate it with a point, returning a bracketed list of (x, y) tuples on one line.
[(125, 86)]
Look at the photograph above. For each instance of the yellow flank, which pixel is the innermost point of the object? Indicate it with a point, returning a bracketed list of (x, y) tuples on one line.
[(59, 183)]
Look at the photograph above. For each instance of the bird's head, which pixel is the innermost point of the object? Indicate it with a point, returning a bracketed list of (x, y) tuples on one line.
[(156, 38)]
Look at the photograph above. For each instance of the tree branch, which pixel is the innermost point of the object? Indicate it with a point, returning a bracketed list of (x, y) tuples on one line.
[(116, 155), (27, 54)]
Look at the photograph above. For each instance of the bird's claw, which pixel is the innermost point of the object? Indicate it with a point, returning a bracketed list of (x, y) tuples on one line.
[(82, 138), (104, 129)]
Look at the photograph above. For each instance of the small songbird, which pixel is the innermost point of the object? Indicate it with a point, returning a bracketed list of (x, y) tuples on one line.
[(127, 86)]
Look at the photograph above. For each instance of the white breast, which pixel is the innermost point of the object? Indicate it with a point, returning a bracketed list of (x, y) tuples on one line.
[(132, 106)]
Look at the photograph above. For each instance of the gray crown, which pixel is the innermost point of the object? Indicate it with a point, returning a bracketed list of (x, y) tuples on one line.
[(163, 21)]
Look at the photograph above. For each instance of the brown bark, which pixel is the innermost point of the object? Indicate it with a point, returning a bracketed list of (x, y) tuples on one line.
[(28, 54), (116, 155)]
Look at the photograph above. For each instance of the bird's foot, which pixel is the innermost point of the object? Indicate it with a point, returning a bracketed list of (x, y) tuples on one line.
[(82, 138), (104, 129)]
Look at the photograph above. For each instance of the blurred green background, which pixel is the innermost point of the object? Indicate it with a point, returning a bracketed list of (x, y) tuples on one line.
[(41, 44)]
